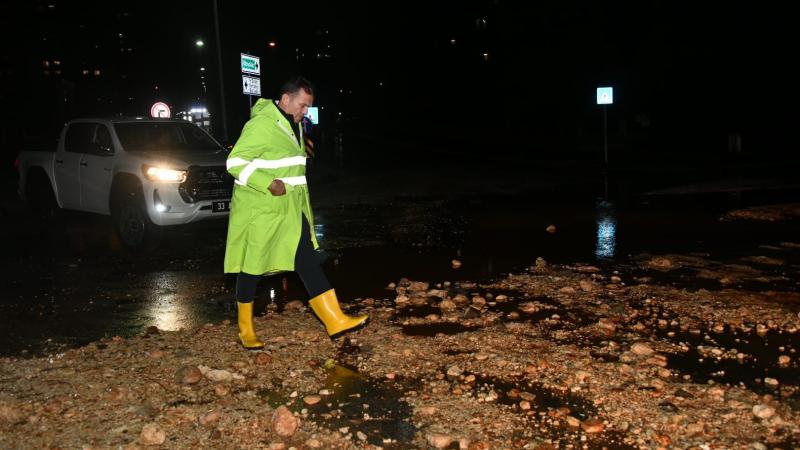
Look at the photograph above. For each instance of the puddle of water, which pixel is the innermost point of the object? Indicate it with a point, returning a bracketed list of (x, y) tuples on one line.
[(545, 404), (360, 404)]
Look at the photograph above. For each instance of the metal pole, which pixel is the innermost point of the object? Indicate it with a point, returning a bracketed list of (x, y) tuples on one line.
[(221, 79), (605, 135), (605, 153)]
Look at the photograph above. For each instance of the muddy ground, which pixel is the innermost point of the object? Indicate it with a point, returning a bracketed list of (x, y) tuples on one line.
[(664, 351)]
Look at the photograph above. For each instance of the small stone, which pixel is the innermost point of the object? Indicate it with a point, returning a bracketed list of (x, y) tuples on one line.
[(294, 305), (283, 422), (525, 405), (188, 375), (763, 411), (277, 446), (152, 434), (11, 415), (155, 354), (209, 419), (391, 376), (607, 326), (313, 443), (453, 372), (581, 376), (361, 436), (567, 290), (586, 286), (456, 264), (221, 390), (660, 263), (641, 349), (771, 382), (263, 359), (694, 429), (312, 399), (219, 375), (447, 305), (439, 440), (428, 410), (478, 301), (615, 279), (592, 426), (784, 361), (551, 229), (573, 422)]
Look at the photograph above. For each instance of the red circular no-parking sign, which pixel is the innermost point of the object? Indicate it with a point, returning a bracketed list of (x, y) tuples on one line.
[(160, 110)]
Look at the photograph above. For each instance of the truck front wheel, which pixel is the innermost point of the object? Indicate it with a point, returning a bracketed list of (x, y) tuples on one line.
[(132, 224)]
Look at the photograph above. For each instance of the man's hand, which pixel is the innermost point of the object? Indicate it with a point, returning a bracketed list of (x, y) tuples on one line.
[(277, 188), (309, 146)]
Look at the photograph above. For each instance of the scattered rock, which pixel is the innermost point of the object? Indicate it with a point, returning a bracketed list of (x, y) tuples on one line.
[(641, 349), (263, 359), (660, 263), (10, 414), (294, 305), (284, 423), (438, 440), (312, 399), (784, 361), (209, 419), (188, 375), (456, 264), (592, 426), (551, 229), (152, 434), (586, 286), (763, 411)]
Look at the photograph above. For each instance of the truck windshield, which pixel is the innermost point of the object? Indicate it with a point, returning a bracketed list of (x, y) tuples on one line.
[(164, 137)]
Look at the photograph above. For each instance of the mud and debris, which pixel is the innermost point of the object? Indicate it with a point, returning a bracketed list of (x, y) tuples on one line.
[(769, 213), (556, 356)]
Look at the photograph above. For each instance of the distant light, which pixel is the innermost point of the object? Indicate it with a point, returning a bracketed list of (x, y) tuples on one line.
[(160, 207), (272, 43), (85, 71), (485, 56), (57, 62), (202, 69), (97, 72), (199, 43), (452, 42)]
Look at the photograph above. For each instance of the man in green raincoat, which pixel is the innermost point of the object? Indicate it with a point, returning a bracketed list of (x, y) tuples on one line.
[(271, 223)]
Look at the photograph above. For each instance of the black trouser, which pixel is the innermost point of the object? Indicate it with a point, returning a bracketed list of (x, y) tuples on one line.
[(306, 265)]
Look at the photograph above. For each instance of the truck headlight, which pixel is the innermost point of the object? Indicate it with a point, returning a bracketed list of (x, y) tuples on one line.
[(164, 175)]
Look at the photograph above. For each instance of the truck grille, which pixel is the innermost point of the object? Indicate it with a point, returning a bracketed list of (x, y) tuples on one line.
[(206, 183)]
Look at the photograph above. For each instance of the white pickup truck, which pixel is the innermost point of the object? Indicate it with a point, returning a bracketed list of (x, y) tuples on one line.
[(145, 173)]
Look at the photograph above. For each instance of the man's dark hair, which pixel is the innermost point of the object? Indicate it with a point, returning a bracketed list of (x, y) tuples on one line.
[(294, 84)]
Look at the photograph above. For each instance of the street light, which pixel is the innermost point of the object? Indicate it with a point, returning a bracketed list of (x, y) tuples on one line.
[(199, 43)]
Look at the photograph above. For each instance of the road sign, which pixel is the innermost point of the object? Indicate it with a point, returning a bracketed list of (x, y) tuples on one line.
[(160, 109), (605, 96), (251, 85), (313, 115), (250, 64)]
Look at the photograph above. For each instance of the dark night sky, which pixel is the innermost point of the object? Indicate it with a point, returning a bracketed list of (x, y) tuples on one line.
[(690, 72)]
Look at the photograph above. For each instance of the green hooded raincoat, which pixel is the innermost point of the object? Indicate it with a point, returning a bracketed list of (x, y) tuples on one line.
[(264, 230)]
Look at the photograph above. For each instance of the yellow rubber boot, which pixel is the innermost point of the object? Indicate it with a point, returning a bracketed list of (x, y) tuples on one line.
[(326, 306), (247, 334)]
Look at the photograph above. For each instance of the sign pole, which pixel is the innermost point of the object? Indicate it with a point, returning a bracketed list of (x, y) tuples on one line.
[(605, 134)]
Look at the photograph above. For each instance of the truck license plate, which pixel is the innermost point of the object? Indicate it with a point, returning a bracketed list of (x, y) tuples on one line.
[(221, 206)]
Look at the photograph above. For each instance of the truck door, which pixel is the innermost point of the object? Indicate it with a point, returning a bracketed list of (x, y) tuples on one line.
[(67, 164), (96, 171)]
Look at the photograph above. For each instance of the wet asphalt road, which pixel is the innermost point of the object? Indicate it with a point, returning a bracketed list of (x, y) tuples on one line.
[(69, 282)]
